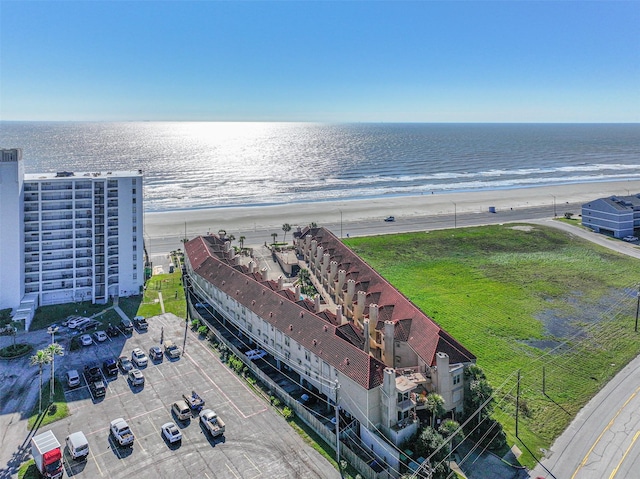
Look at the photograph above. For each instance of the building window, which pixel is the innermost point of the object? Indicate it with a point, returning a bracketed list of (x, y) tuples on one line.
[(307, 355), (134, 200), (134, 209), (456, 379), (135, 229), (287, 340), (135, 239), (135, 247), (135, 275), (135, 257), (135, 266)]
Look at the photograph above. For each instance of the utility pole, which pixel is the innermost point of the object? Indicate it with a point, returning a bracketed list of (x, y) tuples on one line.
[(337, 425), (186, 319), (517, 403), (637, 308), (455, 214), (554, 206), (340, 224)]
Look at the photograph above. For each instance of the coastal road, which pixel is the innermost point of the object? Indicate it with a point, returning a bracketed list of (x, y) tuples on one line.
[(603, 441), (162, 245)]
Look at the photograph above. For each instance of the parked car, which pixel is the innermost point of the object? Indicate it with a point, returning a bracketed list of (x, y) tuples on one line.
[(255, 354), (86, 340), (100, 336), (139, 358), (110, 367), (172, 350), (125, 364), (140, 323), (181, 409), (630, 239), (155, 353), (92, 372), (202, 305), (126, 325), (390, 219), (98, 389), (78, 445), (78, 322), (113, 331), (73, 378), (171, 432), (136, 377)]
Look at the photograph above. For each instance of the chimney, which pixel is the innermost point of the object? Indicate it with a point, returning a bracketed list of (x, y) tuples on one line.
[(298, 291), (280, 283), (351, 289), (388, 344), (236, 259), (227, 246), (340, 318), (252, 267), (319, 253), (314, 248), (367, 337), (358, 310), (333, 270), (316, 303), (373, 319), (342, 276), (325, 265)]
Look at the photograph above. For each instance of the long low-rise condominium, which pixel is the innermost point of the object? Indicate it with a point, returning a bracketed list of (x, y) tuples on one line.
[(617, 216), (359, 340)]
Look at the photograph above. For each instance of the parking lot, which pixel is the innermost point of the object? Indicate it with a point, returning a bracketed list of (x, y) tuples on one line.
[(257, 442)]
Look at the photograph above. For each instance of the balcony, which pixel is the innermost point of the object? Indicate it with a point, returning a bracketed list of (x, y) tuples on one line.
[(85, 263), (112, 194), (100, 278), (57, 207), (31, 187), (113, 222), (57, 216), (83, 185), (112, 184), (83, 224), (112, 204), (32, 238), (83, 204), (32, 248), (29, 208), (56, 186), (49, 236), (86, 273), (113, 270), (51, 256), (83, 195), (113, 261), (99, 259), (57, 266), (28, 228), (84, 254), (112, 242), (99, 219), (31, 196), (56, 276), (113, 281), (84, 283), (56, 196), (57, 246), (113, 251), (80, 235), (113, 231), (34, 288), (31, 217), (112, 213), (32, 258), (66, 225), (31, 269), (57, 285), (83, 214), (84, 244)]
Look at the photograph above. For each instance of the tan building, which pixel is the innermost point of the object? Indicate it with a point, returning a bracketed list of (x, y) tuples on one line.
[(359, 339)]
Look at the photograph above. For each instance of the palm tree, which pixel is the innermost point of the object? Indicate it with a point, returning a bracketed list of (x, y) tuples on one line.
[(39, 359), (54, 349), (231, 238), (274, 236), (435, 405), (241, 241), (286, 228)]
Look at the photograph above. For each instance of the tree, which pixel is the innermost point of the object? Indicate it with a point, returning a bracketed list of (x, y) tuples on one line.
[(241, 241), (54, 349), (286, 228), (448, 429), (39, 359), (231, 238), (5, 316), (274, 236), (568, 215), (427, 443), (435, 405)]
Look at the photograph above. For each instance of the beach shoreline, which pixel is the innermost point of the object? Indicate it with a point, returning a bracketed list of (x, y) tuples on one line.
[(258, 217)]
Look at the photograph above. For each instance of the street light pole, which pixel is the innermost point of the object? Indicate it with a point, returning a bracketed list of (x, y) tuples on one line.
[(455, 214), (340, 224), (52, 332), (337, 425), (554, 206)]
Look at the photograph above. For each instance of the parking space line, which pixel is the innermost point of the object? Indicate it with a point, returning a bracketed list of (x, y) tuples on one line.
[(231, 470), (221, 391), (256, 467), (96, 462)]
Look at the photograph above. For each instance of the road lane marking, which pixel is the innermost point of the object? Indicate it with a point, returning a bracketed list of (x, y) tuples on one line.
[(231, 471), (586, 458), (615, 471)]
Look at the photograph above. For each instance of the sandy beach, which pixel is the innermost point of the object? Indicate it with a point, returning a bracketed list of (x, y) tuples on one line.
[(234, 219)]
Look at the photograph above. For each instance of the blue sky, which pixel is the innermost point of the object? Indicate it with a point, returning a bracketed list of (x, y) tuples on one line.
[(508, 61)]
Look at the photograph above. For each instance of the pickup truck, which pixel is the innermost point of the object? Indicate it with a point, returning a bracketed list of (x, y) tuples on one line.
[(121, 432), (211, 422), (171, 349), (140, 323)]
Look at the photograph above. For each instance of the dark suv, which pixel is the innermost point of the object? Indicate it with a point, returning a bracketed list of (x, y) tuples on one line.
[(110, 367), (126, 325), (92, 373)]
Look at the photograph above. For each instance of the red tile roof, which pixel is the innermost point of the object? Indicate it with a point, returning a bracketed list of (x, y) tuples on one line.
[(314, 332), (421, 332)]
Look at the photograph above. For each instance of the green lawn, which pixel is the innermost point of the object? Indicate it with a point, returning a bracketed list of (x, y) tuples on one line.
[(170, 286), (501, 291), (45, 315), (59, 411)]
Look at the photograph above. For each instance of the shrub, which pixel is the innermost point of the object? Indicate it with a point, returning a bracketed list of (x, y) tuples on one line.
[(195, 324), (203, 330), (15, 351), (288, 413)]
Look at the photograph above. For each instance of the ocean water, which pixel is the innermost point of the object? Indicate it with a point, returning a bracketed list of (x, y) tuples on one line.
[(212, 164)]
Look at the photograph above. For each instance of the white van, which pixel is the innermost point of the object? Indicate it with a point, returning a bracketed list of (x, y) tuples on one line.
[(78, 445), (181, 410), (78, 322)]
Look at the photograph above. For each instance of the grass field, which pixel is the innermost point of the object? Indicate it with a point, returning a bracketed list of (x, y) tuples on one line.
[(521, 298), (49, 415)]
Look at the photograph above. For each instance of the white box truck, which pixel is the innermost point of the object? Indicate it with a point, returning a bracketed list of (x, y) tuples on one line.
[(47, 455)]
